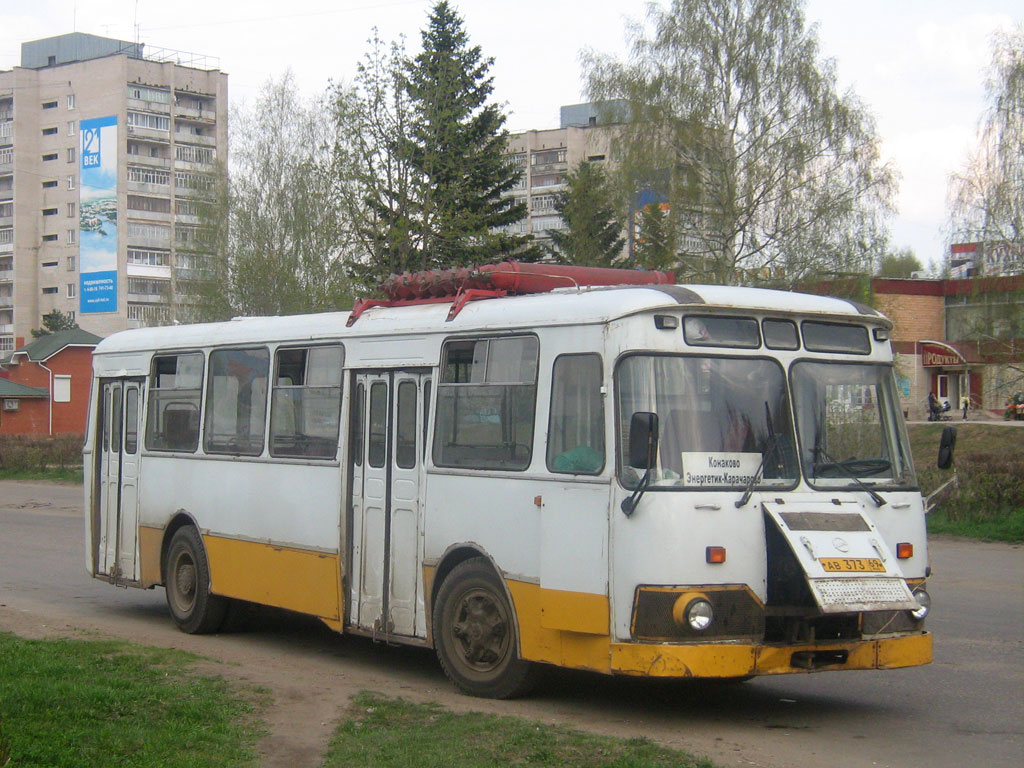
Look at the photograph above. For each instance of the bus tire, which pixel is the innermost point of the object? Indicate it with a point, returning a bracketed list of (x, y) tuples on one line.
[(475, 634), (187, 584)]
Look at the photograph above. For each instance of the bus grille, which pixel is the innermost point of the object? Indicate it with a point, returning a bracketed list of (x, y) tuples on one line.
[(862, 594)]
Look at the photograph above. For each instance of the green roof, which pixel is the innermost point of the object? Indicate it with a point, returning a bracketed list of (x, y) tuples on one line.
[(13, 389), (47, 346)]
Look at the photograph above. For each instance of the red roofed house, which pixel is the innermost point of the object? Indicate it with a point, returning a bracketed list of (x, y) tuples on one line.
[(44, 386)]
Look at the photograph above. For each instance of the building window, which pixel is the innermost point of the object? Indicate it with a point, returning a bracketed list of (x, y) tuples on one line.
[(50, 290), (49, 265), (184, 207), (150, 204), (159, 232), (547, 180), (143, 286), (6, 236), (49, 184), (72, 157), (149, 257), (548, 157), (49, 211), (71, 127), (49, 156), (71, 101), (61, 389), (190, 154), (71, 210), (50, 130), (49, 238), (49, 105), (71, 263), (142, 93), (6, 208), (146, 120), (6, 154), (144, 175), (71, 290), (72, 236), (71, 182), (193, 180)]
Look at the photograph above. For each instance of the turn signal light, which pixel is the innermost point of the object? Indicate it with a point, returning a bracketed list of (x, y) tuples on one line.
[(904, 550), (715, 554)]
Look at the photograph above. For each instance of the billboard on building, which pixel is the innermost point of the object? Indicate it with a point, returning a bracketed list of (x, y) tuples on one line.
[(98, 216)]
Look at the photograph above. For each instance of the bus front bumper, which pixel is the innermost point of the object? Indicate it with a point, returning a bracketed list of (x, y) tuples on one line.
[(732, 659)]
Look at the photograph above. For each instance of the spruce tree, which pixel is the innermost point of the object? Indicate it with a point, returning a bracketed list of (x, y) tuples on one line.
[(593, 237), (456, 150)]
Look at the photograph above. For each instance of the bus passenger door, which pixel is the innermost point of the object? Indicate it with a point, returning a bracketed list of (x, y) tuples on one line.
[(119, 479), (387, 466)]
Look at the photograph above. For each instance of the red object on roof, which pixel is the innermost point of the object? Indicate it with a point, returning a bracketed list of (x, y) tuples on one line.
[(464, 284)]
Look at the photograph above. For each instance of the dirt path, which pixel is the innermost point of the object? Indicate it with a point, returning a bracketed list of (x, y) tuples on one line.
[(942, 716)]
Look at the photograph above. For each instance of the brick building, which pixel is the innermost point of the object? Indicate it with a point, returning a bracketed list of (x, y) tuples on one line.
[(44, 386), (955, 338)]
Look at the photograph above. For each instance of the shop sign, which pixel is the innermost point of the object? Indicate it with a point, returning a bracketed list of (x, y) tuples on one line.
[(937, 356)]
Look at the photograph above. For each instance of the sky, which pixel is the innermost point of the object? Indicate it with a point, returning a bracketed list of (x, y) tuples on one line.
[(917, 65)]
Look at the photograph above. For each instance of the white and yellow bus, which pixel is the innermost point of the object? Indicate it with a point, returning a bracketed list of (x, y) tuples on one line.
[(650, 480)]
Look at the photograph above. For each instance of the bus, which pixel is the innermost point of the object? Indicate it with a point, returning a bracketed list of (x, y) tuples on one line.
[(524, 465)]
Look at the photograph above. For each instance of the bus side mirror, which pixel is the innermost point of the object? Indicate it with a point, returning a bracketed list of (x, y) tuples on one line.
[(946, 445), (643, 440)]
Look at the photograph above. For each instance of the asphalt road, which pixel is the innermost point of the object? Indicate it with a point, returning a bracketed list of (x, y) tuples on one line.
[(967, 708)]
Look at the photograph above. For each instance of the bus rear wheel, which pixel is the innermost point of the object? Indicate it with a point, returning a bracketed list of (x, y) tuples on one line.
[(475, 634), (187, 583)]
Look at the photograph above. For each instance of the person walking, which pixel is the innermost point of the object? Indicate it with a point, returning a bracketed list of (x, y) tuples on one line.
[(965, 403)]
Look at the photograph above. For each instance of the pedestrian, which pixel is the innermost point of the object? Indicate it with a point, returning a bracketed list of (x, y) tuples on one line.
[(933, 407), (965, 403)]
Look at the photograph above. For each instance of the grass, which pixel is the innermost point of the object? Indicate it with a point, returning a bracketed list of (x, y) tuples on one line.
[(989, 502), (86, 703), (50, 475), (393, 733)]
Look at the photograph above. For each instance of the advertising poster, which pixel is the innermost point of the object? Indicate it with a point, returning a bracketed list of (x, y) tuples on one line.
[(98, 216)]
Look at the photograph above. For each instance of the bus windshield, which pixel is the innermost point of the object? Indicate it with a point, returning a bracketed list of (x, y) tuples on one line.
[(722, 421), (848, 419)]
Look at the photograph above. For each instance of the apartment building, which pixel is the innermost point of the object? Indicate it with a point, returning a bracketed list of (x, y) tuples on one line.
[(105, 146), (546, 157)]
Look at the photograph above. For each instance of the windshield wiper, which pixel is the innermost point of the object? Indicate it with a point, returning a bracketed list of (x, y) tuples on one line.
[(819, 451), (770, 445)]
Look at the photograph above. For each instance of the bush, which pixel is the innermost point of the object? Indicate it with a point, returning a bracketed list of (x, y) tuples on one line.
[(22, 454)]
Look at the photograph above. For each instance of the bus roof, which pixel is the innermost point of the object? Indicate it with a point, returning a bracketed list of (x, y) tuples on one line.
[(567, 306)]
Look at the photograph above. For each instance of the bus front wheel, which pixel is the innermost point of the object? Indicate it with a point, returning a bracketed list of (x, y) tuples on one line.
[(475, 634), (187, 583)]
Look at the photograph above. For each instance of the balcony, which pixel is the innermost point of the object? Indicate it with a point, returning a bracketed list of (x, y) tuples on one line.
[(199, 115), (6, 301), (6, 274), (191, 138), (141, 105), (150, 162), (155, 134)]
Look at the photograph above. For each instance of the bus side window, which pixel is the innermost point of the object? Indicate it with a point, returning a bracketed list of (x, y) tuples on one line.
[(175, 384), (576, 426), (486, 403), (305, 408), (236, 401)]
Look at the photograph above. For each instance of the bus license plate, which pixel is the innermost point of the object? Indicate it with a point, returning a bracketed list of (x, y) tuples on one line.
[(857, 564)]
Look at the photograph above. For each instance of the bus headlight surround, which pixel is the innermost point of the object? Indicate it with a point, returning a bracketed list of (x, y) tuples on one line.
[(699, 614), (924, 602)]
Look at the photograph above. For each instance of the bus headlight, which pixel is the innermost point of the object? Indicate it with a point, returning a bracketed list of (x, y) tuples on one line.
[(699, 615), (924, 602)]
